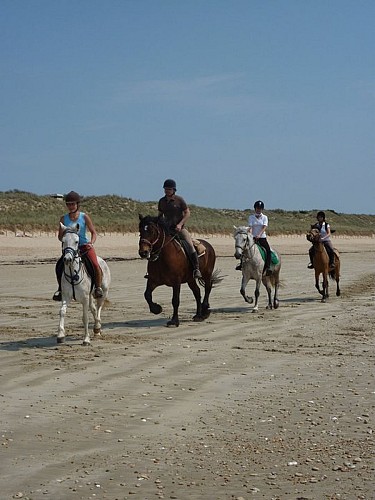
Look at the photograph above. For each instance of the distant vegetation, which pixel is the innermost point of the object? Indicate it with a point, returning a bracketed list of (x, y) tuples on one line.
[(28, 212)]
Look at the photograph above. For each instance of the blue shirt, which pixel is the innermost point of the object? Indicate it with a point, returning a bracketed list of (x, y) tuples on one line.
[(83, 239)]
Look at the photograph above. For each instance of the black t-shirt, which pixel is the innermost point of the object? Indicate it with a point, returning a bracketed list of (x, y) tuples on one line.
[(172, 209)]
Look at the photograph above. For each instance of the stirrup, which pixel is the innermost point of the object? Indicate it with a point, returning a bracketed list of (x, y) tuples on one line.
[(57, 296), (98, 292), (197, 274)]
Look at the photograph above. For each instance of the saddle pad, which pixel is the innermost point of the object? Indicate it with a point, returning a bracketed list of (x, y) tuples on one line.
[(201, 249), (274, 258)]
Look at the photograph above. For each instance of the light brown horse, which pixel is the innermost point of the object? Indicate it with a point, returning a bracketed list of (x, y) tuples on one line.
[(321, 264), (168, 265)]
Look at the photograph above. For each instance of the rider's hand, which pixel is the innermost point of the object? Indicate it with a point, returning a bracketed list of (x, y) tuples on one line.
[(178, 227)]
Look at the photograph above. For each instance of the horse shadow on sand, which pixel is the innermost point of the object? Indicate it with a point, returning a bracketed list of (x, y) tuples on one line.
[(29, 343)]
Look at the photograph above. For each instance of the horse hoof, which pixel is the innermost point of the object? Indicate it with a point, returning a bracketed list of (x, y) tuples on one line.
[(97, 331), (198, 319), (86, 342), (276, 305), (173, 323), (60, 340), (156, 309)]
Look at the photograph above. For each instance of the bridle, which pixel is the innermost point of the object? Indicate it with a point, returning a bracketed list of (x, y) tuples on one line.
[(160, 237), (247, 244), (74, 277)]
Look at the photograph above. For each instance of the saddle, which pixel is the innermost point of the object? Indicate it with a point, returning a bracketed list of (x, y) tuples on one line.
[(274, 258), (197, 244), (89, 268)]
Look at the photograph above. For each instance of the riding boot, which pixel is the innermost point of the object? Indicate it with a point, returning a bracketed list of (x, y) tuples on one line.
[(59, 269), (332, 262), (98, 292), (195, 262)]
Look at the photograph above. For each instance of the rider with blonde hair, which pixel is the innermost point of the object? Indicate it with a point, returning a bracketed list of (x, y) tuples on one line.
[(86, 245)]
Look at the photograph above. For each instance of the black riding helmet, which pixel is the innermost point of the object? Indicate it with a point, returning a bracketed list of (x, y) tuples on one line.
[(259, 204), (170, 183), (321, 214), (72, 196)]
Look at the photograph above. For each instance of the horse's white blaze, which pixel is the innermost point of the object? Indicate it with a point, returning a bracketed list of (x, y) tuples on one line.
[(76, 283), (252, 268)]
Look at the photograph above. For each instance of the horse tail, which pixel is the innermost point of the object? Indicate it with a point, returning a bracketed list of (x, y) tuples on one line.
[(215, 279), (332, 274)]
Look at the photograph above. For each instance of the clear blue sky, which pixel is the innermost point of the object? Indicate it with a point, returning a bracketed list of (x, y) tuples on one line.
[(237, 100)]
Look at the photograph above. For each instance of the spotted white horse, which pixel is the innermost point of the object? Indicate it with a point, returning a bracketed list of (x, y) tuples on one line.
[(248, 251), (76, 285)]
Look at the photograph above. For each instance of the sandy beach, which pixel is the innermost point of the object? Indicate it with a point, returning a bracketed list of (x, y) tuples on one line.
[(270, 405)]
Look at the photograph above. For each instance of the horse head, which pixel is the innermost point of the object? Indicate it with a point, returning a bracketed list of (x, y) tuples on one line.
[(313, 235), (70, 242), (241, 240), (150, 234)]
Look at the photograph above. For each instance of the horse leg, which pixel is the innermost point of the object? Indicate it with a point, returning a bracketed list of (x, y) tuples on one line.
[(338, 292), (61, 328), (205, 304), (267, 284), (244, 282), (199, 316), (85, 320), (154, 308), (96, 308), (276, 294), (174, 321), (257, 293)]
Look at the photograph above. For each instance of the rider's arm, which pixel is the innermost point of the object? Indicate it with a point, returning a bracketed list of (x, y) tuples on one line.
[(185, 216), (61, 231)]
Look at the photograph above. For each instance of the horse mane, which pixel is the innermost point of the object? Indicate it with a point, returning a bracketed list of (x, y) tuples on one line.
[(159, 221)]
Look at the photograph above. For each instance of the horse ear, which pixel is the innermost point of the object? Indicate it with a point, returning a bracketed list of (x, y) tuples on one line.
[(235, 227), (77, 227), (140, 216), (62, 227)]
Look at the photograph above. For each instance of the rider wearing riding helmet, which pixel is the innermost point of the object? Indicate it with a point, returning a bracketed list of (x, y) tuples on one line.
[(86, 245), (175, 212), (258, 222), (325, 237)]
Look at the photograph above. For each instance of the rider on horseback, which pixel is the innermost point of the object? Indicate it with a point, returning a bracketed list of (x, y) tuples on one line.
[(175, 212), (325, 237), (86, 246), (258, 223)]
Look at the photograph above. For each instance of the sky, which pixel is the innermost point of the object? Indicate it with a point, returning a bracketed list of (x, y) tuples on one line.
[(237, 100)]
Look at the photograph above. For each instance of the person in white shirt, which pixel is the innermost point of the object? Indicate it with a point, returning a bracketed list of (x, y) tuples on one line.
[(258, 222), (325, 236)]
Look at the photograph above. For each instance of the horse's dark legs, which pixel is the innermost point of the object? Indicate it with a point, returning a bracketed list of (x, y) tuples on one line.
[(324, 291), (175, 303), (198, 297), (205, 304), (154, 308)]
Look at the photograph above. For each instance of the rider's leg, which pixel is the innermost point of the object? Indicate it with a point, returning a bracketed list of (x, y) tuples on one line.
[(264, 244), (91, 254), (59, 269), (193, 254), (331, 253)]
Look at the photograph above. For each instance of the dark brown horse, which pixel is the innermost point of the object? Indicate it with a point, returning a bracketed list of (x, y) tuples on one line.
[(321, 264), (168, 265)]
